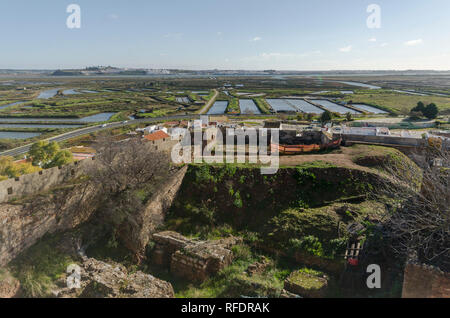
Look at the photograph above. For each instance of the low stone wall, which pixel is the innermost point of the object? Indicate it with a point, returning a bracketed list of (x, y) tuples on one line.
[(190, 259), (421, 281), (167, 243), (41, 181), (385, 140)]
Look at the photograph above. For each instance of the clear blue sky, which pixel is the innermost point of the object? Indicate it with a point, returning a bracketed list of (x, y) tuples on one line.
[(226, 34)]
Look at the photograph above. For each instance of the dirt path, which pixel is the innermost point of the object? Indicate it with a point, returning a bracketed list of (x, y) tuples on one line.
[(209, 103), (341, 159)]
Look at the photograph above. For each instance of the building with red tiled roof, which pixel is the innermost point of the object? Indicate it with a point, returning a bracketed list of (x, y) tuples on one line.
[(158, 135), (160, 140)]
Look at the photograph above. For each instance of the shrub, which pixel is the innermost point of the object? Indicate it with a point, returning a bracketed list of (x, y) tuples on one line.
[(242, 253), (310, 244), (431, 111)]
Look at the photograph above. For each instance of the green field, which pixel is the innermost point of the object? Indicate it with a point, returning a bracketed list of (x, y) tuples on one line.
[(401, 103)]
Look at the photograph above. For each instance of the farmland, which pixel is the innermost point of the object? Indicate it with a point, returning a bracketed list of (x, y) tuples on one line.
[(38, 107)]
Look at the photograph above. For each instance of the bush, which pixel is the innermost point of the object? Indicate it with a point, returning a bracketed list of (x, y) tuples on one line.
[(309, 244), (431, 111), (326, 116), (335, 247), (242, 253)]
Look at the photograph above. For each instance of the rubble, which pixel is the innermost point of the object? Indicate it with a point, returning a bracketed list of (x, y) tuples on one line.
[(103, 280)]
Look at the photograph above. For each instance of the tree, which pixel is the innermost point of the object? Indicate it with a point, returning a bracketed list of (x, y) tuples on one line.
[(61, 158), (126, 174), (431, 111), (48, 155), (43, 152), (326, 117), (348, 116), (419, 220), (11, 169), (415, 115), (300, 116), (419, 108)]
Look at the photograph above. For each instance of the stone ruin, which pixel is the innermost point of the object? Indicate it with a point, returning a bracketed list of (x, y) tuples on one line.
[(422, 281), (111, 280), (193, 260)]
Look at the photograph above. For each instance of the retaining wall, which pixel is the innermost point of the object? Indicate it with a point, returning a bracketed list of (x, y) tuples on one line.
[(42, 180), (385, 140)]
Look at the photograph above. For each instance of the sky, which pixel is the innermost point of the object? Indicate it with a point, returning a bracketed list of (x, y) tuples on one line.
[(226, 34)]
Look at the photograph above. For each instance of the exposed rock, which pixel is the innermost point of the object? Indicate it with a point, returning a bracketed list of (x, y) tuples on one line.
[(22, 225), (287, 294), (9, 286), (191, 259), (258, 267), (422, 281), (308, 285), (136, 232), (103, 280)]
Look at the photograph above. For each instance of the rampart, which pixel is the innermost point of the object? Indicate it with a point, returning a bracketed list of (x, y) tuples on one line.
[(42, 180)]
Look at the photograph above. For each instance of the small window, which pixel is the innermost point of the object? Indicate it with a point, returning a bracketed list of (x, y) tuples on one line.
[(10, 191), (17, 179), (72, 172), (41, 172)]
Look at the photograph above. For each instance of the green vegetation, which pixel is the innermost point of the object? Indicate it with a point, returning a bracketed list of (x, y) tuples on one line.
[(307, 278), (382, 158), (49, 155), (430, 111), (306, 218), (326, 117), (398, 102), (233, 106), (40, 267), (10, 169), (233, 281), (262, 105)]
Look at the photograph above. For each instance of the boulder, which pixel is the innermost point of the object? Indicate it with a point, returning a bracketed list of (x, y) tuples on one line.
[(9, 286), (111, 280)]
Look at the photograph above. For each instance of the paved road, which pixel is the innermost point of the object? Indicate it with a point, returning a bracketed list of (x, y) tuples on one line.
[(85, 131), (210, 102)]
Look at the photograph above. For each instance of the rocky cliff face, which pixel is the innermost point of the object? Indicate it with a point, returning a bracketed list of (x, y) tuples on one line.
[(22, 225)]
